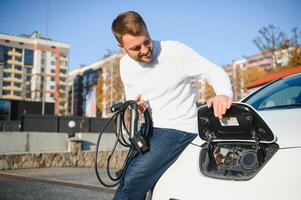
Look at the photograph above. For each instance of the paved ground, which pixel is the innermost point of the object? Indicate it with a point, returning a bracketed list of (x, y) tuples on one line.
[(52, 183)]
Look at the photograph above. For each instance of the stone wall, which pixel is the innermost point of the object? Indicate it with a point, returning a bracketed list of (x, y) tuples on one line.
[(74, 157)]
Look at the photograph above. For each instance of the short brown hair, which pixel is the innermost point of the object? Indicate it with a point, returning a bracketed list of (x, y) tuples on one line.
[(129, 22)]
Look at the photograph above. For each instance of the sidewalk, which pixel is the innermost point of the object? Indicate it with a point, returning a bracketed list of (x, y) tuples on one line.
[(85, 177)]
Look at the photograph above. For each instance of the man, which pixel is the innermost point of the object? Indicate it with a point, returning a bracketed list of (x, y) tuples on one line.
[(157, 74)]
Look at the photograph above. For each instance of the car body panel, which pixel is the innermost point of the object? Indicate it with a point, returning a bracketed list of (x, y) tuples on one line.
[(185, 174), (278, 178), (288, 135)]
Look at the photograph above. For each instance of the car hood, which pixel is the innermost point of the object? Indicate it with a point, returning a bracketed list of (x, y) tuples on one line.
[(240, 123)]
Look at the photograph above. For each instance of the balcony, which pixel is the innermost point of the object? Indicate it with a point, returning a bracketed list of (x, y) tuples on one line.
[(14, 62), (11, 79), (16, 71), (12, 88), (63, 75), (14, 53), (63, 67), (64, 58), (11, 70), (10, 96)]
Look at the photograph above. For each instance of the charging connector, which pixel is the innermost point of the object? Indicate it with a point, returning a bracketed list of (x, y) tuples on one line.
[(135, 139), (136, 142)]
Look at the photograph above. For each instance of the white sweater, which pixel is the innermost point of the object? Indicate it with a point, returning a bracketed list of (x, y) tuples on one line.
[(165, 83)]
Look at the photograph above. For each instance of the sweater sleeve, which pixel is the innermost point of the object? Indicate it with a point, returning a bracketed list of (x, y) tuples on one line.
[(220, 82), (196, 65)]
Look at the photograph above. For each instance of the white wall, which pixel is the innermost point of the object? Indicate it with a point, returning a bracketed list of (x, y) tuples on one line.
[(14, 142), (90, 139)]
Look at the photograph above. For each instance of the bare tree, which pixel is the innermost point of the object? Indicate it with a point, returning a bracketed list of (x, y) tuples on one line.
[(271, 40)]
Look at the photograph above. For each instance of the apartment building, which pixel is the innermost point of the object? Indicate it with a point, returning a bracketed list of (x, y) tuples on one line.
[(269, 60), (82, 81), (266, 61), (234, 71), (75, 95), (34, 68)]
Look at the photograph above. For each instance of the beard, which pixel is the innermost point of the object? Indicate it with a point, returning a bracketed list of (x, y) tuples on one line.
[(146, 58)]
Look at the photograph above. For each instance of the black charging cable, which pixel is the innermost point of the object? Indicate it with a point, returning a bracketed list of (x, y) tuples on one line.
[(136, 143)]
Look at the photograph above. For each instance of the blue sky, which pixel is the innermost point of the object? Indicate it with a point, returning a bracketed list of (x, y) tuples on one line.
[(220, 30)]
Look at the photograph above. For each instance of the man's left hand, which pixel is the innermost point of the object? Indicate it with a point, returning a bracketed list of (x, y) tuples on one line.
[(220, 104)]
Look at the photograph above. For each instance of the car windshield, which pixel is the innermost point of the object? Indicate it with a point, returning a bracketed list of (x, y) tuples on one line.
[(281, 94)]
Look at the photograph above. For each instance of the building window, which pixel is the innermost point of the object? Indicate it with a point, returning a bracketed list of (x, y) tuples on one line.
[(43, 61), (53, 71), (17, 93), (29, 70), (52, 79), (3, 53), (7, 66), (64, 54), (53, 62), (64, 63), (19, 59), (18, 67), (6, 83), (17, 84), (18, 76), (28, 58), (52, 87), (19, 50), (6, 74), (6, 92)]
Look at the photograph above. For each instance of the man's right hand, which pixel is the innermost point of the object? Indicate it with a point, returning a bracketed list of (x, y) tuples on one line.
[(142, 105)]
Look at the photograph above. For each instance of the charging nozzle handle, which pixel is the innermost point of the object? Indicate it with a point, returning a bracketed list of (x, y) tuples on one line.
[(134, 120), (116, 107)]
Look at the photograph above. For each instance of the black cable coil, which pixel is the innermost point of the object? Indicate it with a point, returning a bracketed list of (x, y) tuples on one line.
[(120, 109)]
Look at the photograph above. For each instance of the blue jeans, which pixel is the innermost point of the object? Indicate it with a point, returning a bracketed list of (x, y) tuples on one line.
[(145, 169)]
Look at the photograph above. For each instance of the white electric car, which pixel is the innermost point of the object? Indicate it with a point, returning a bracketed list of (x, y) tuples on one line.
[(254, 152)]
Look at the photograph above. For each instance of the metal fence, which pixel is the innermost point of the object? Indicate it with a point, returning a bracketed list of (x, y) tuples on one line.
[(50, 123)]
